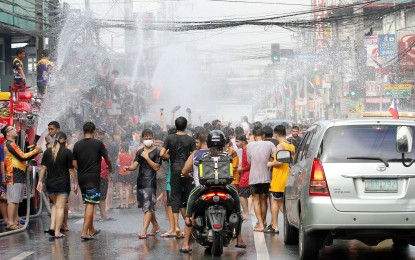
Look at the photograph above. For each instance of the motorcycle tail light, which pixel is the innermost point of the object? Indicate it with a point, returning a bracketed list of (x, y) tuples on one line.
[(222, 195), (210, 195), (217, 226)]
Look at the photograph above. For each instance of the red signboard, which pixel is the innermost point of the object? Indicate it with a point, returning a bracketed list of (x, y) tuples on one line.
[(406, 50)]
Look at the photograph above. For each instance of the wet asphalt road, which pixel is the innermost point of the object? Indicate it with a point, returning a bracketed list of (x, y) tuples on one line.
[(118, 240)]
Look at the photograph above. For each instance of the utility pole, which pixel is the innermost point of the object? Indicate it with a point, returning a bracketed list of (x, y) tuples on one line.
[(129, 38), (39, 25)]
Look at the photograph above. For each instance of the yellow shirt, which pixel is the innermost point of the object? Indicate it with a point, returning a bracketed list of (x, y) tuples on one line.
[(235, 162), (280, 172)]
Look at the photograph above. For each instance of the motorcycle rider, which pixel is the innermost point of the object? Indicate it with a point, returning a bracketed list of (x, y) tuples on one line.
[(216, 142)]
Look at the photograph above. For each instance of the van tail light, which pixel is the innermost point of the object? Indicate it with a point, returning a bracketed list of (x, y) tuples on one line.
[(318, 182)]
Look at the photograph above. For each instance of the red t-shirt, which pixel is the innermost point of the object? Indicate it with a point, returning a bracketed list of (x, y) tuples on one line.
[(244, 176), (125, 159), (104, 170)]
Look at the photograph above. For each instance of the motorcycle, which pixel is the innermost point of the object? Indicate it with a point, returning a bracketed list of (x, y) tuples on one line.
[(215, 221)]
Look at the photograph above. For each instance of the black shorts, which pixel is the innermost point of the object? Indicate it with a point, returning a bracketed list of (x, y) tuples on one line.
[(180, 192), (103, 189), (260, 188), (245, 192), (168, 197), (277, 195)]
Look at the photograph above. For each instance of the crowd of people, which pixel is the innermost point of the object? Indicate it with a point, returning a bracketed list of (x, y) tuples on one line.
[(155, 162)]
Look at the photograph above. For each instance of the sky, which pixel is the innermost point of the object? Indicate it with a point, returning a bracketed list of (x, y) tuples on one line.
[(189, 59), (243, 47)]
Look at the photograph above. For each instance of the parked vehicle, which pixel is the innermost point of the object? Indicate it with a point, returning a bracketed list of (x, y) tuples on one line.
[(347, 181)]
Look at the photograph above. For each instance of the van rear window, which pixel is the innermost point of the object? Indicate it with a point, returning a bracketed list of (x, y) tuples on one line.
[(341, 142)]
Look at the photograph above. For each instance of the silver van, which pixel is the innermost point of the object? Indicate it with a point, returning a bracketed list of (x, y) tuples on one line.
[(347, 181)]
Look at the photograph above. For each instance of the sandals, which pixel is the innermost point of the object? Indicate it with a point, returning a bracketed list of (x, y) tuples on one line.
[(141, 236), (179, 235), (271, 230), (96, 233), (168, 235), (240, 245), (58, 237), (153, 233), (87, 238), (13, 227), (185, 251)]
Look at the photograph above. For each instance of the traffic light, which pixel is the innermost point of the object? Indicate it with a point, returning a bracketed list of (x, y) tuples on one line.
[(353, 85), (275, 52)]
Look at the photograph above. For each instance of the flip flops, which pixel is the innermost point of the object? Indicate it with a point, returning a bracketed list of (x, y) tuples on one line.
[(240, 246), (185, 251), (271, 230), (51, 232), (61, 236), (87, 238), (96, 233), (153, 233), (141, 236), (179, 234), (13, 227), (168, 235)]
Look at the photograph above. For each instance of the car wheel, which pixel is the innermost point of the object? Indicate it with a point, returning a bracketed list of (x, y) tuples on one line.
[(308, 244), (399, 242), (290, 232)]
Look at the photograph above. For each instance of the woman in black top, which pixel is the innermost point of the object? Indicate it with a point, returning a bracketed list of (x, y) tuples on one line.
[(57, 161)]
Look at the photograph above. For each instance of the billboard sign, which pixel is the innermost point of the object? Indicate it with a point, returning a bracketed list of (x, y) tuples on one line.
[(398, 90), (371, 43), (388, 49), (406, 50)]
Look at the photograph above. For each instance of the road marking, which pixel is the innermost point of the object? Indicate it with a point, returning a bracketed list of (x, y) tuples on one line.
[(260, 244), (22, 255), (81, 221)]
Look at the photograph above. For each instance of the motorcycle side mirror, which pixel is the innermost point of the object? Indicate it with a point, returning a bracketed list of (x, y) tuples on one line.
[(284, 156), (404, 139)]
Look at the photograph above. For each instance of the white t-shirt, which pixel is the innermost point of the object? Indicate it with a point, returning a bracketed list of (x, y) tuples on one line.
[(258, 155)]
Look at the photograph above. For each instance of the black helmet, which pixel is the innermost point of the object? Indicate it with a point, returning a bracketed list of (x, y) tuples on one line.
[(216, 138)]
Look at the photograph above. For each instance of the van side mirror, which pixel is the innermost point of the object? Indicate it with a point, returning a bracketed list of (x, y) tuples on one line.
[(404, 139), (284, 156)]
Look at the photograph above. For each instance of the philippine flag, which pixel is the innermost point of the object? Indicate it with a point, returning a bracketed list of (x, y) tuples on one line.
[(393, 109)]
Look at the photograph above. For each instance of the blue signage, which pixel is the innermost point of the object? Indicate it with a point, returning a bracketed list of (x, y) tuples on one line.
[(387, 47)]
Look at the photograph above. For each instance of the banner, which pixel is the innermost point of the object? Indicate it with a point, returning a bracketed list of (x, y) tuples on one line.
[(371, 43), (398, 90), (406, 50)]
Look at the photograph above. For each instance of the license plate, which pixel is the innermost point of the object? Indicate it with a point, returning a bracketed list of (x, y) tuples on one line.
[(381, 185)]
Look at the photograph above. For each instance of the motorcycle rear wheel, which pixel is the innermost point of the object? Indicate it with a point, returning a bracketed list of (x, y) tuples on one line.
[(217, 243)]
